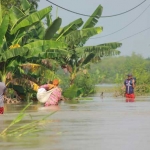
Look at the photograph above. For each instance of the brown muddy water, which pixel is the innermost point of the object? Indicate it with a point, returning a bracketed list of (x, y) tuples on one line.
[(98, 124)]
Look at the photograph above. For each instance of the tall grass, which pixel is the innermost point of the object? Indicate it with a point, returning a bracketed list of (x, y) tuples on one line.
[(29, 128)]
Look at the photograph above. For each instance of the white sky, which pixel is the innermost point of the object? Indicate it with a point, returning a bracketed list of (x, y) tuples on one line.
[(139, 43)]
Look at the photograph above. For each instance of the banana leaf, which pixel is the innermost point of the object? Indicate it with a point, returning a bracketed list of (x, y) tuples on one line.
[(75, 37), (10, 65), (34, 32), (88, 58), (70, 27), (15, 14), (0, 13), (97, 50), (112, 45), (48, 20), (71, 92), (40, 30), (31, 19), (25, 5), (3, 28), (11, 53), (92, 21), (53, 28), (40, 47), (46, 44)]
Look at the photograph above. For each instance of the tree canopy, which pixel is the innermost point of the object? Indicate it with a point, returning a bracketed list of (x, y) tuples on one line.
[(7, 4)]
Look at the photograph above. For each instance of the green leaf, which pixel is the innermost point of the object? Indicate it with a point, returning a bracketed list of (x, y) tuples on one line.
[(88, 58), (0, 12), (3, 28), (79, 36), (11, 53), (100, 51), (39, 47), (91, 22), (53, 28), (15, 14), (48, 20), (71, 92), (40, 30), (25, 5), (112, 45), (71, 27), (46, 44), (31, 19), (11, 65)]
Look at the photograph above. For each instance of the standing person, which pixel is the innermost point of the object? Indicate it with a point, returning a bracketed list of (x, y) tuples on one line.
[(2, 92), (55, 96), (129, 85)]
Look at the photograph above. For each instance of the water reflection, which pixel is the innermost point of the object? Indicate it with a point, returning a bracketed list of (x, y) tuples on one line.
[(130, 99), (51, 108)]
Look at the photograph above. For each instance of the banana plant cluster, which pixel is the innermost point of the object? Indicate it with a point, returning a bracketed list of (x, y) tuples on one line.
[(24, 39), (76, 34)]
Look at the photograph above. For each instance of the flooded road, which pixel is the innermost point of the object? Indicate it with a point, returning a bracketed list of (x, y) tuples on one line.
[(106, 124)]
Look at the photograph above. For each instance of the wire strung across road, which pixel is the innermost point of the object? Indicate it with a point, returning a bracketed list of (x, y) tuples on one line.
[(95, 16), (123, 27)]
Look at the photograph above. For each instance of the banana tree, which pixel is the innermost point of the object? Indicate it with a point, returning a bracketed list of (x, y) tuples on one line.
[(7, 4), (14, 28), (79, 56)]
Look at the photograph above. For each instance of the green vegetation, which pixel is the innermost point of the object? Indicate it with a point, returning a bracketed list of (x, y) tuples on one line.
[(7, 4), (115, 69), (32, 52), (30, 128)]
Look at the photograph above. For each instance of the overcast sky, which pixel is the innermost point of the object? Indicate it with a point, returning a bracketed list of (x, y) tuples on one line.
[(139, 44)]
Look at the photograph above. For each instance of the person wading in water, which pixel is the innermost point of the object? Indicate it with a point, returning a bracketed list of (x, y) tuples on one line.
[(129, 85), (2, 92)]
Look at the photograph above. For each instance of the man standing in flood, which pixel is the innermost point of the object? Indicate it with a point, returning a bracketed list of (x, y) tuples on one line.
[(129, 85), (2, 92)]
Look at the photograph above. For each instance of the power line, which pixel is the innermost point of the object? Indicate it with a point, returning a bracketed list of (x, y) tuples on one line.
[(124, 26), (95, 16), (134, 34)]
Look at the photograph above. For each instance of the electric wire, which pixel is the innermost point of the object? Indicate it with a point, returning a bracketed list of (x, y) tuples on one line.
[(134, 34), (111, 16), (95, 16), (124, 26)]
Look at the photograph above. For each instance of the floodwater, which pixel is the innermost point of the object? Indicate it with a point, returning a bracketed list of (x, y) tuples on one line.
[(99, 124)]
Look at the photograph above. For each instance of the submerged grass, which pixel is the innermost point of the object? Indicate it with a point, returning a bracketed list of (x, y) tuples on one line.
[(29, 128)]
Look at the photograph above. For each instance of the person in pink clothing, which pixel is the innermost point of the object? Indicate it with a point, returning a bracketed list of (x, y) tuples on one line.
[(55, 96)]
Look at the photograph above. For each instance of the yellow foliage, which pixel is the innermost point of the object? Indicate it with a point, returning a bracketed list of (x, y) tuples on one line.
[(14, 46), (34, 67), (35, 86), (30, 66), (73, 76)]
